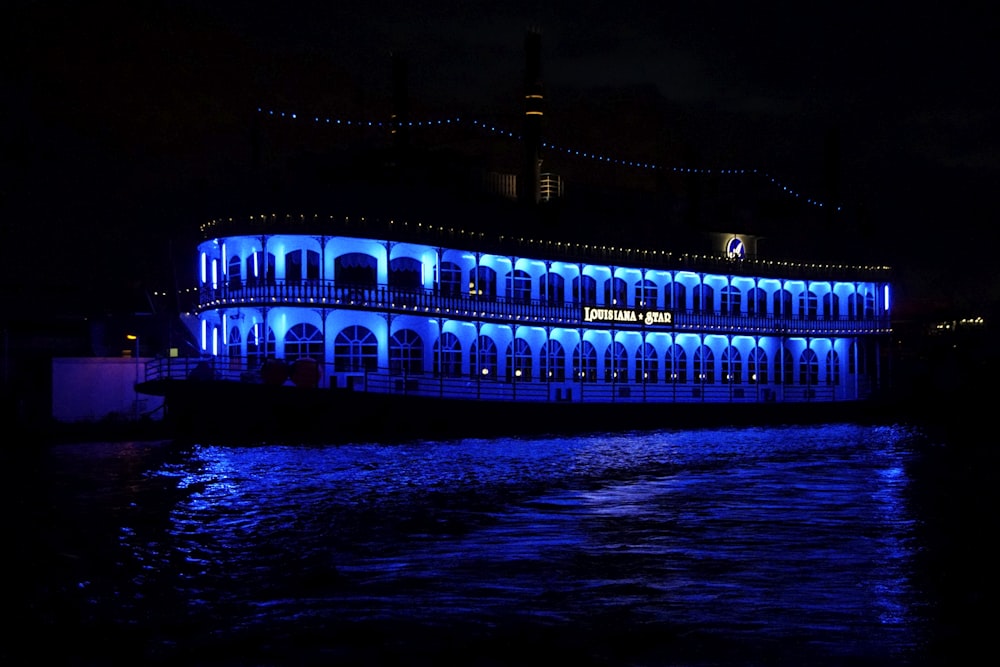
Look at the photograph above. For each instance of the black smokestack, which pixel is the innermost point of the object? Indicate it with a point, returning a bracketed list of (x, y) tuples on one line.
[(533, 112)]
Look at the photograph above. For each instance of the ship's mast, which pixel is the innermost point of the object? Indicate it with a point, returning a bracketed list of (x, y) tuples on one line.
[(533, 113)]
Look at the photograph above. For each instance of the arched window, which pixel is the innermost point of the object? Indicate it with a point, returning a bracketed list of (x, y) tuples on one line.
[(519, 361), (303, 341), (258, 353), (355, 349), (483, 359), (757, 302), (312, 266), (808, 368), (807, 305), (704, 298), (406, 352), (645, 294), (448, 355), (704, 365), (758, 366), (782, 303), (235, 279), (676, 362), (647, 365), (585, 290), (519, 286), (732, 366), (484, 283), (257, 267), (615, 293), (833, 368), (293, 267), (831, 306), (677, 297), (555, 361), (555, 289), (731, 300), (451, 281), (260, 268), (585, 362), (615, 363), (853, 307), (253, 270)]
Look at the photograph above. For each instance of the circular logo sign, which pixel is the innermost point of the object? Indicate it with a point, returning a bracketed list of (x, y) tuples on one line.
[(735, 248)]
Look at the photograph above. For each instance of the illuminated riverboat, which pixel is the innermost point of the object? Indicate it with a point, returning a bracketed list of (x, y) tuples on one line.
[(349, 307)]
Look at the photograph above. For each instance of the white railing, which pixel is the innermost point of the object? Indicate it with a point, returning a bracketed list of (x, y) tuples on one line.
[(478, 388), (462, 306)]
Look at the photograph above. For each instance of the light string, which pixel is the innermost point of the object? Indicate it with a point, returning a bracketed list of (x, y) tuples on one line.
[(486, 127)]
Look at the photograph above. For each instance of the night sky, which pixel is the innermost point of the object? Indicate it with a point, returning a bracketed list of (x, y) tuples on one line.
[(126, 127)]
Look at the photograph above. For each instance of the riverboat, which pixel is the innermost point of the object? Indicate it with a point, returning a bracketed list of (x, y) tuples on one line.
[(360, 325), (371, 324)]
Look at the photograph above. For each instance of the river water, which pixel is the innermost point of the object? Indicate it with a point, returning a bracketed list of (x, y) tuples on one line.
[(839, 544)]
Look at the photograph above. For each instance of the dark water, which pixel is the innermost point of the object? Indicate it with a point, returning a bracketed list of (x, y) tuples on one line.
[(804, 545)]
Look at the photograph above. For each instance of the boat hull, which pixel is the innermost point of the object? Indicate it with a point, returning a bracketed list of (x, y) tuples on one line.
[(246, 412)]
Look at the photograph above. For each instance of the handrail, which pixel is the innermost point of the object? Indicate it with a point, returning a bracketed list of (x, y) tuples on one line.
[(504, 309), (384, 381)]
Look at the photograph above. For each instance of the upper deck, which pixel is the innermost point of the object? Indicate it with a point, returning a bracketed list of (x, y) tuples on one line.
[(540, 247)]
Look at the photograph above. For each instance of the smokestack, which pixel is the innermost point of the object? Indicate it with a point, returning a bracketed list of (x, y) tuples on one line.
[(533, 112)]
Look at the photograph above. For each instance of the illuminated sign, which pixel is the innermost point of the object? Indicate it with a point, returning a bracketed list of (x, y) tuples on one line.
[(735, 248), (625, 316)]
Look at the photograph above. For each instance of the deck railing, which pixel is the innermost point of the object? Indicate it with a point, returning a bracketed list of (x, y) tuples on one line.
[(503, 309), (484, 388)]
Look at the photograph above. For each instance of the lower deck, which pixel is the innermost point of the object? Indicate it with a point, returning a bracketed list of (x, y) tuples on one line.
[(308, 374)]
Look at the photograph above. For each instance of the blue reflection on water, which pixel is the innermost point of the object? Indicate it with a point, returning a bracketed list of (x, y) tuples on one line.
[(701, 545)]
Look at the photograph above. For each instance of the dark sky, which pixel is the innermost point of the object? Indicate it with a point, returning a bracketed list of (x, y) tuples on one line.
[(121, 119)]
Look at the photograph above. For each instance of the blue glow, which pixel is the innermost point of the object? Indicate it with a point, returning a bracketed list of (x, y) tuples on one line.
[(204, 268), (886, 288)]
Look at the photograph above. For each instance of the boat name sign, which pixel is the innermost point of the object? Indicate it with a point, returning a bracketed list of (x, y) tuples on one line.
[(626, 316)]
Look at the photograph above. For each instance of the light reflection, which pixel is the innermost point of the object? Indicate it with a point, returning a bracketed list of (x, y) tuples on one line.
[(807, 526)]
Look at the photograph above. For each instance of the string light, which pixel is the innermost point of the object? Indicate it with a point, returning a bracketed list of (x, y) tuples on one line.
[(480, 125)]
